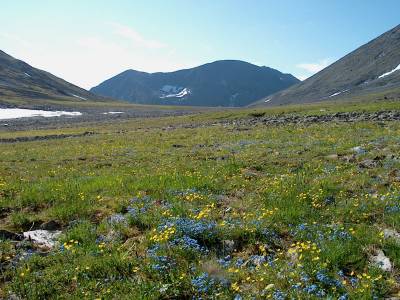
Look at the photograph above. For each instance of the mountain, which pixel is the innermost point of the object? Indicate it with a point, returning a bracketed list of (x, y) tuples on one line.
[(20, 80), (221, 83), (372, 68)]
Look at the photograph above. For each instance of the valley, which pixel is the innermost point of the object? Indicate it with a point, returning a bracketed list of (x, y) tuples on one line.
[(276, 202), (221, 150)]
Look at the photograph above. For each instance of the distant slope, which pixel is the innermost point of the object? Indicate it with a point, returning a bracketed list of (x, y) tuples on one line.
[(374, 67), (221, 83), (20, 80)]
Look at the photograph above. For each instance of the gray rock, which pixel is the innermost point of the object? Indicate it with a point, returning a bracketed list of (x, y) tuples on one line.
[(332, 156), (43, 238), (228, 246), (380, 260), (368, 164), (393, 234), (359, 150)]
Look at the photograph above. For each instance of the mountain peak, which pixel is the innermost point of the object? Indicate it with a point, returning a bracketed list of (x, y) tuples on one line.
[(219, 83)]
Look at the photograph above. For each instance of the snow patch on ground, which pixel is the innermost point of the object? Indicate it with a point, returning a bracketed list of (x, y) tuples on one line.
[(79, 97), (112, 113), (26, 74), (338, 93), (16, 113), (390, 72)]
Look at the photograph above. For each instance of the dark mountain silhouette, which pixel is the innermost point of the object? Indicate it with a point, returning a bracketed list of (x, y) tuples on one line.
[(221, 83)]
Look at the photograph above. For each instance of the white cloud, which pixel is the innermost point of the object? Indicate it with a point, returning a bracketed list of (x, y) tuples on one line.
[(135, 37), (315, 67)]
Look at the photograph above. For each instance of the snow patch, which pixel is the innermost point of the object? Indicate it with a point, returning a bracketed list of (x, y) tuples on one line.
[(338, 93), (267, 100), (390, 72), (170, 91), (26, 74), (16, 113), (79, 97), (112, 113)]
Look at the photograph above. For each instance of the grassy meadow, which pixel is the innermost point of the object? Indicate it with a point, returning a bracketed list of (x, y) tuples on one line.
[(152, 210)]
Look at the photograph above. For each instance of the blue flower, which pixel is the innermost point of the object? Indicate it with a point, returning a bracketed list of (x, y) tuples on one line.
[(344, 297), (225, 262), (278, 295), (311, 289), (188, 243), (117, 219), (203, 283)]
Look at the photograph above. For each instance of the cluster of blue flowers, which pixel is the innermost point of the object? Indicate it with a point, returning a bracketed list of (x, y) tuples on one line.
[(195, 229), (206, 284), (392, 208), (225, 261), (160, 262), (278, 295), (117, 219), (187, 243), (139, 205), (203, 283), (319, 233)]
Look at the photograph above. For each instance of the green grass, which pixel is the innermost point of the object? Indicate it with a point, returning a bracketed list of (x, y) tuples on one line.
[(272, 191)]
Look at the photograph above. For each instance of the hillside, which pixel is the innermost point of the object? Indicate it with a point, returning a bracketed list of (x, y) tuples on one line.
[(20, 80), (374, 67), (221, 83)]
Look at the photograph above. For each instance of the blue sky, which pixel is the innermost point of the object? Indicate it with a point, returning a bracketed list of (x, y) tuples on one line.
[(88, 41)]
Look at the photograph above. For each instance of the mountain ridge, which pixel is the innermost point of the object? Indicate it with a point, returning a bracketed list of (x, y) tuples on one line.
[(360, 71), (218, 83)]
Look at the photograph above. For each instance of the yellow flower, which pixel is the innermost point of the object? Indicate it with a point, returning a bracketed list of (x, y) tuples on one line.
[(235, 287)]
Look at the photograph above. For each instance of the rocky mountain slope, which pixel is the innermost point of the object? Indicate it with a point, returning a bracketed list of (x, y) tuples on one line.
[(221, 83), (372, 68)]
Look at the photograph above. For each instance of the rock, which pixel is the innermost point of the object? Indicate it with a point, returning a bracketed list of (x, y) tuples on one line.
[(332, 156), (13, 297), (394, 176), (368, 164), (349, 158), (51, 225), (380, 260), (359, 150), (44, 238), (117, 219), (228, 246), (8, 235), (393, 234)]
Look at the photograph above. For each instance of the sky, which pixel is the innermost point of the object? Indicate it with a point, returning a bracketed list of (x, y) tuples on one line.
[(88, 41)]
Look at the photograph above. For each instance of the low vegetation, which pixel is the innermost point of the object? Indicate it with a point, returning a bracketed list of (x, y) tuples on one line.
[(192, 208)]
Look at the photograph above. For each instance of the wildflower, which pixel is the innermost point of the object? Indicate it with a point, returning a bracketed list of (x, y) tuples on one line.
[(235, 287)]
